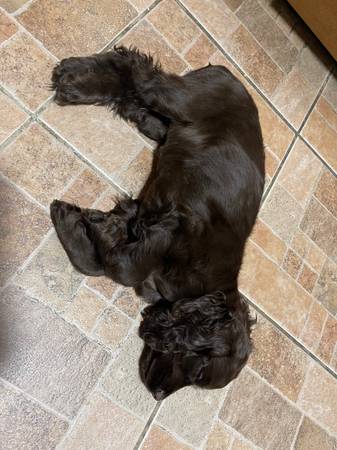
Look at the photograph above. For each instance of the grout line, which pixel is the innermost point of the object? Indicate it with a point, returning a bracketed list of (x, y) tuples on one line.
[(16, 133), (23, 8), (130, 25), (5, 90), (83, 158), (35, 400), (289, 336), (148, 424), (292, 446)]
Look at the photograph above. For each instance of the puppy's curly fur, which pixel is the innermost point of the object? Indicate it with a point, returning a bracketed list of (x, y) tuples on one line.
[(180, 243)]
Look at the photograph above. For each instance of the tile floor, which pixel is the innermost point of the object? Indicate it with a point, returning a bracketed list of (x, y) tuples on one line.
[(69, 348)]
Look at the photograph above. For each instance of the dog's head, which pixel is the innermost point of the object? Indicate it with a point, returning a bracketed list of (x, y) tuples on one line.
[(203, 342), (87, 235)]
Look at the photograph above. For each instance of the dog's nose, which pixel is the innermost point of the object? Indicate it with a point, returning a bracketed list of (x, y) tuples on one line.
[(159, 395)]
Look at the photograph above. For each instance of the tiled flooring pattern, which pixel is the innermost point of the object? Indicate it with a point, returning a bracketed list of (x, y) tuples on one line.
[(69, 345)]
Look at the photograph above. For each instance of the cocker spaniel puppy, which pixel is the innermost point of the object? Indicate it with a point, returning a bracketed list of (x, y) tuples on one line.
[(180, 243)]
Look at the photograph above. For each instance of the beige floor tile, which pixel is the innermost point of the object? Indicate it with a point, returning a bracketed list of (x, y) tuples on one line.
[(311, 437), (76, 28), (300, 172), (328, 341), (322, 137), (312, 330), (315, 258), (307, 278), (319, 396), (128, 302), (158, 438), (7, 27), (26, 70), (327, 112), (281, 212), (184, 31), (134, 177), (326, 287), (103, 285), (326, 191), (330, 91), (292, 263), (97, 134), (301, 244), (191, 423), (84, 309), (321, 227), (112, 328), (268, 34), (216, 16), (12, 5), (11, 117), (49, 276), (103, 425), (293, 97), (277, 359), (48, 358), (25, 424), (140, 5), (122, 381), (260, 414), (86, 189), (200, 52), (219, 438), (21, 229), (148, 40), (239, 444), (39, 164), (264, 237), (254, 60), (273, 290)]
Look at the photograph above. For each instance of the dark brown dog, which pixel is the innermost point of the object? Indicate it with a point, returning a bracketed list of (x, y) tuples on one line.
[(181, 243)]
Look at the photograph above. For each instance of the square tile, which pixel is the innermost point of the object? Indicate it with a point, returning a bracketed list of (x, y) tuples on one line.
[(102, 424), (219, 438), (140, 5), (260, 414), (7, 27), (328, 340), (191, 424), (11, 117), (292, 263), (12, 5), (311, 437), (318, 397), (84, 309), (76, 28), (216, 16), (148, 40), (326, 288), (199, 54), (112, 328), (39, 164), (122, 382), (21, 229), (264, 237), (307, 278), (128, 302), (50, 276), (25, 424), (277, 359), (322, 137), (184, 31), (312, 331), (274, 291), (102, 138), (86, 189), (133, 178), (26, 70), (48, 358), (159, 438), (326, 191), (103, 285), (281, 212)]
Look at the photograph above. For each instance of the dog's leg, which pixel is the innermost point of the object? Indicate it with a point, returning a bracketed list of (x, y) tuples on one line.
[(126, 81)]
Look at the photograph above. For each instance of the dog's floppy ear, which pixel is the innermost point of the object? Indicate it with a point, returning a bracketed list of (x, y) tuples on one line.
[(72, 232), (209, 325)]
